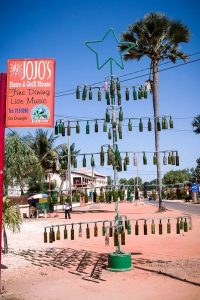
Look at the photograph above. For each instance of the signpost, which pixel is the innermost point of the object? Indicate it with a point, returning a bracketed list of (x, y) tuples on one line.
[(195, 190), (30, 93)]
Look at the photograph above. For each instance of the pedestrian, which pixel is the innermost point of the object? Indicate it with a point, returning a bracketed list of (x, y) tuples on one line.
[(67, 207)]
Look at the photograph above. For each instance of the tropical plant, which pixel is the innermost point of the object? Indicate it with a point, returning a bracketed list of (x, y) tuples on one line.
[(11, 220), (196, 172), (196, 124), (156, 37), (174, 177)]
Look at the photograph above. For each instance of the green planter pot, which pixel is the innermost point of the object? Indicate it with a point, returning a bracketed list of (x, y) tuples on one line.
[(119, 262)]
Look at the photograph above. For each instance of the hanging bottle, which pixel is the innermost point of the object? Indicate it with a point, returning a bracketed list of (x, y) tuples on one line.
[(96, 127), (164, 159), (68, 129), (120, 130), (78, 92), (110, 230), (173, 158), (87, 232), (136, 228), (153, 227), (116, 237), (72, 232), (92, 161), (107, 116), (158, 124), (190, 223), (144, 159), (139, 93), (105, 85), (80, 231), (118, 85), (134, 93), (104, 126), (95, 230), (129, 227), (45, 235), (130, 125), (56, 128), (106, 239), (109, 156), (109, 134), (125, 166), (90, 93), (120, 114), (84, 161), (123, 242), (155, 159), (87, 129), (181, 224), (135, 159), (127, 159), (140, 125), (102, 159), (84, 93), (168, 226), (171, 123), (185, 225), (119, 98), (145, 93), (169, 159), (177, 159), (60, 125), (177, 226), (107, 97), (50, 236), (142, 91), (58, 234), (77, 127), (103, 229), (145, 227), (160, 227), (99, 94), (65, 233), (127, 94), (112, 88), (53, 234), (149, 125)]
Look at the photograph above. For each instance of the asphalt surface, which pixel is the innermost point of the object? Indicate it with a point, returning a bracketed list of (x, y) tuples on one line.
[(185, 207)]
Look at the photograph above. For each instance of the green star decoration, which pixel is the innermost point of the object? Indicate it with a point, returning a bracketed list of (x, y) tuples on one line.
[(110, 60)]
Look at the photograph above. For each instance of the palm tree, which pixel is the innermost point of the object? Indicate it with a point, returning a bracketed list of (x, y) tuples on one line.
[(11, 219), (157, 37), (196, 124), (62, 152)]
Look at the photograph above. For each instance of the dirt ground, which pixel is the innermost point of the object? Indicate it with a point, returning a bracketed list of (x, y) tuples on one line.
[(165, 266)]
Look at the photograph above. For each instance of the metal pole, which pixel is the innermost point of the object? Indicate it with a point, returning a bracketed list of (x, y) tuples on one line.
[(69, 170), (3, 79)]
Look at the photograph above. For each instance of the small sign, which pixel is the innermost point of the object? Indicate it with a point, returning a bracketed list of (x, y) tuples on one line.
[(30, 93), (195, 187)]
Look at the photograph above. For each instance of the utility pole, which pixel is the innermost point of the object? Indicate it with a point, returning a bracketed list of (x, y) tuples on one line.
[(68, 173)]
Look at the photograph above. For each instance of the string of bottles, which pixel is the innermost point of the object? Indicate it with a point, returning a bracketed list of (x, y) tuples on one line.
[(114, 158), (162, 123), (111, 89), (183, 223)]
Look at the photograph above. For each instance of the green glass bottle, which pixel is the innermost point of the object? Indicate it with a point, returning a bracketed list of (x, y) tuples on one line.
[(87, 129), (149, 125), (144, 159), (129, 227), (96, 127), (95, 230), (84, 93), (130, 125), (177, 226), (103, 229), (45, 235), (104, 126), (99, 94), (140, 125), (136, 228), (72, 232), (168, 226), (134, 93), (145, 227), (119, 98), (68, 129), (158, 124), (127, 94), (78, 92), (135, 159), (142, 91), (112, 88), (84, 161), (107, 116), (185, 225), (65, 233), (181, 224), (92, 161), (90, 93), (177, 158), (116, 237), (125, 166), (109, 134), (77, 127), (53, 234), (171, 123), (110, 230), (155, 159), (139, 93), (56, 129), (50, 236), (120, 114), (87, 232), (123, 239), (102, 158), (60, 125), (107, 95), (58, 233), (153, 227), (160, 227), (173, 159), (120, 129), (169, 159), (145, 93), (127, 159), (118, 85)]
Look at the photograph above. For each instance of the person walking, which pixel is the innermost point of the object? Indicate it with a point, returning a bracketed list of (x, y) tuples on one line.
[(67, 207)]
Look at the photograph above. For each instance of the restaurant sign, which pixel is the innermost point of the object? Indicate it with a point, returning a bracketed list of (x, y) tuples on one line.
[(30, 93)]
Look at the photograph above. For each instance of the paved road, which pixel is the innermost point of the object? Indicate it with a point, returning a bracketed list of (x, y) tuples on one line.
[(189, 208)]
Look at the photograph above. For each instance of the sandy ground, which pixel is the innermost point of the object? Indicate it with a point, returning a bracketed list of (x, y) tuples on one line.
[(165, 266)]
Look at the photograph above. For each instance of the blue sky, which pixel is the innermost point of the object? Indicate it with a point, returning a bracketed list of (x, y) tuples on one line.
[(59, 29)]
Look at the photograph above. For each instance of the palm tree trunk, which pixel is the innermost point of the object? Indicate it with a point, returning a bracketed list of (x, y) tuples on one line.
[(157, 138), (5, 240)]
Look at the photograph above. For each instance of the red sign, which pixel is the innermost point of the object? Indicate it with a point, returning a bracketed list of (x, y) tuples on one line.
[(30, 93)]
